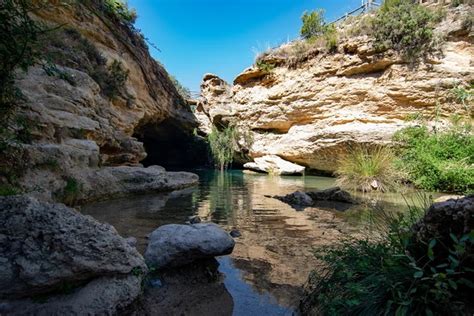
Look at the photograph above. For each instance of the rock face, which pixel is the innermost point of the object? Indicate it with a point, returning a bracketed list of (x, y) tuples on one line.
[(177, 245), (75, 127), (274, 165), (47, 248), (307, 112)]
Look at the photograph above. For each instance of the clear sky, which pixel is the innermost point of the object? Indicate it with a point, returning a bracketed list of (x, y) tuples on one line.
[(222, 36)]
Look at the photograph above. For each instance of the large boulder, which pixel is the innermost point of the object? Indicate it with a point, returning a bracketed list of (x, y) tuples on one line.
[(274, 165), (177, 245), (47, 248)]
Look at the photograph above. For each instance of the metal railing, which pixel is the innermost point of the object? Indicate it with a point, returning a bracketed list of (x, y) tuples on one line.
[(367, 5)]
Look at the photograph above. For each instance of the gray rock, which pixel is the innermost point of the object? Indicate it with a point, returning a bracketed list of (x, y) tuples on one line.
[(45, 246), (102, 296), (332, 194), (177, 245), (132, 241), (274, 165), (235, 233)]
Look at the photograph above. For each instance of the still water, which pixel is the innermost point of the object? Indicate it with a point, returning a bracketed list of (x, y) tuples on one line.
[(272, 258)]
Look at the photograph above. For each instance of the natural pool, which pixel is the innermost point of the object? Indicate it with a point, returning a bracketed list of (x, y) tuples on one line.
[(272, 258)]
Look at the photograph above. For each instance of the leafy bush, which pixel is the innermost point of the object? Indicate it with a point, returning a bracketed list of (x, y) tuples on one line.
[(406, 27), (387, 275), (367, 168), (315, 28), (313, 24), (265, 66), (121, 10), (70, 193), (442, 161), (20, 48), (222, 144)]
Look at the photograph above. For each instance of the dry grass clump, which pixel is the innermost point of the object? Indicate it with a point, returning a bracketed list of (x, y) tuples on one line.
[(368, 168)]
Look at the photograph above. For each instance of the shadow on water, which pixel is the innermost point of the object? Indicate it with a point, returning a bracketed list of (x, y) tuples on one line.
[(271, 259)]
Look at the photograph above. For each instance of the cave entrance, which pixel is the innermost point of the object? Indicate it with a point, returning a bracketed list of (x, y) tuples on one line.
[(171, 146)]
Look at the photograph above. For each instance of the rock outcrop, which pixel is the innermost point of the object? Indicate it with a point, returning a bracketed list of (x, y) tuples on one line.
[(177, 245), (73, 263), (300, 199), (75, 124), (274, 165), (308, 111)]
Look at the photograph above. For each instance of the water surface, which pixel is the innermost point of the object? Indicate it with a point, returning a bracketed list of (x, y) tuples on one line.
[(272, 258)]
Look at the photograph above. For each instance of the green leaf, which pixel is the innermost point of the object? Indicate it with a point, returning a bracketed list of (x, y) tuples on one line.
[(418, 274), (454, 238)]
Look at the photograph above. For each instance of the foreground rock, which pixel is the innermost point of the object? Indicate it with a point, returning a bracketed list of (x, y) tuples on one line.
[(177, 245), (317, 198), (48, 249), (274, 165), (442, 220)]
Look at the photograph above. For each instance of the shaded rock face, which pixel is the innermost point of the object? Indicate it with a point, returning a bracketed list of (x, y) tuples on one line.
[(274, 165), (75, 126), (454, 216), (310, 112), (177, 245), (45, 248)]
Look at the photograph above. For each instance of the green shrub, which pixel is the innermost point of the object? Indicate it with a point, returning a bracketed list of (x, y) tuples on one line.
[(406, 27), (388, 275), (121, 10), (463, 96), (70, 193), (265, 66), (313, 24), (367, 168), (222, 144), (315, 28), (442, 161), (7, 190), (20, 48)]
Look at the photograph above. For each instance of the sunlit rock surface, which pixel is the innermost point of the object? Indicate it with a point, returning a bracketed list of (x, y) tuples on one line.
[(309, 112)]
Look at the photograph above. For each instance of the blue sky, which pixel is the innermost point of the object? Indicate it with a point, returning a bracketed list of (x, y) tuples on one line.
[(222, 36)]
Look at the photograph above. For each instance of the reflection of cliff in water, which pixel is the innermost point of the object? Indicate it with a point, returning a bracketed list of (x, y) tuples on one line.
[(274, 252)]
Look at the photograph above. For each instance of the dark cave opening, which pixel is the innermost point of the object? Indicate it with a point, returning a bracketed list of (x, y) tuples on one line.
[(171, 146)]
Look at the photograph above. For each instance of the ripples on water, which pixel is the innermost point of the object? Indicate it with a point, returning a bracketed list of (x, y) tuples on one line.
[(272, 258)]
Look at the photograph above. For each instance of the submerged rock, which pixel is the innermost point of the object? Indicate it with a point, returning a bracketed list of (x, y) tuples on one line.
[(318, 198), (177, 245), (235, 233), (297, 198), (47, 248), (274, 165), (332, 194)]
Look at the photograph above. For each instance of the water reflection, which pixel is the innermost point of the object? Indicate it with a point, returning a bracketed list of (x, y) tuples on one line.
[(273, 256)]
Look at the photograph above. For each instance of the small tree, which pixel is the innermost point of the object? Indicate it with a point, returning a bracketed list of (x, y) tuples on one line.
[(406, 27), (313, 24), (222, 145)]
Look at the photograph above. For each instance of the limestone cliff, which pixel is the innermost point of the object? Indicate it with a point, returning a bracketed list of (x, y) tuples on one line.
[(103, 91), (308, 108)]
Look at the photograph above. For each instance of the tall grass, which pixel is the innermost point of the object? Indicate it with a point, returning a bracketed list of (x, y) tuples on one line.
[(368, 168), (393, 273)]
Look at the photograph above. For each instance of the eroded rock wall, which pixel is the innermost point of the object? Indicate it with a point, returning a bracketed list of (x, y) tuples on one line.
[(308, 112), (74, 125)]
